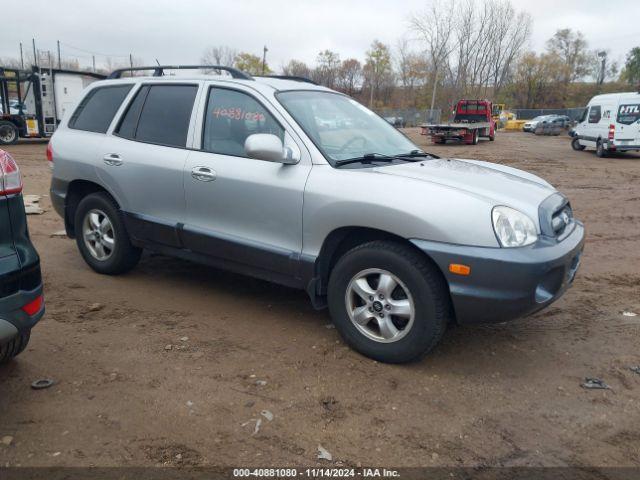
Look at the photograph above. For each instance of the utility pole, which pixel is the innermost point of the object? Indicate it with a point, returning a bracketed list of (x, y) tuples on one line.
[(93, 57), (433, 93), (59, 57), (131, 62), (35, 52), (264, 59), (21, 58)]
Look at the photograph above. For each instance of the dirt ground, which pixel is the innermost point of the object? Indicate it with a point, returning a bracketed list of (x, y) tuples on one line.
[(177, 361)]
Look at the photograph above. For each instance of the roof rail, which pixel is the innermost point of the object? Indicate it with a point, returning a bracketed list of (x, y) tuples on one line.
[(290, 77), (158, 70)]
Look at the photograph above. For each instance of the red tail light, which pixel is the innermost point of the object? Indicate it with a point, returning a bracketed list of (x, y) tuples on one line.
[(49, 152), (612, 131), (34, 306), (10, 178)]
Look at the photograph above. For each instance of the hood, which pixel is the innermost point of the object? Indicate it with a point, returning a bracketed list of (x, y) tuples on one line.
[(499, 184)]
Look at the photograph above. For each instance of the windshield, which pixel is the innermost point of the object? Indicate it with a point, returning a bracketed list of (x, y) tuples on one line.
[(342, 128)]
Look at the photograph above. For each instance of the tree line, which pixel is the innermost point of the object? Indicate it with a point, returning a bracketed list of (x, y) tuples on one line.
[(452, 49), (462, 48)]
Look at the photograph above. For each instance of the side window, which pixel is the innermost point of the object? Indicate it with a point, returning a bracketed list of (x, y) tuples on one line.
[(97, 108), (129, 122), (595, 114), (232, 116), (160, 114)]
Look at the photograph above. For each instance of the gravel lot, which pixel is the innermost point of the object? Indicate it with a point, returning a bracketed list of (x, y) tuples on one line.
[(173, 363)]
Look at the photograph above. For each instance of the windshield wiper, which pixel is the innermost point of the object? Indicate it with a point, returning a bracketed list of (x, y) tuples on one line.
[(416, 154), (370, 157)]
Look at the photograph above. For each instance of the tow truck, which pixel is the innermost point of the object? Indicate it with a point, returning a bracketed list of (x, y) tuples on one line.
[(471, 120)]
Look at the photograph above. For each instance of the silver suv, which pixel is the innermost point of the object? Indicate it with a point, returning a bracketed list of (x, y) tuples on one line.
[(294, 183)]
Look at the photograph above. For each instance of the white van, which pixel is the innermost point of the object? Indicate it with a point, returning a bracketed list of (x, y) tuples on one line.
[(610, 123)]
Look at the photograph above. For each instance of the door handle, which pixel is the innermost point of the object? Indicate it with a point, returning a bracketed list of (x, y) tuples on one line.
[(203, 174), (112, 159)]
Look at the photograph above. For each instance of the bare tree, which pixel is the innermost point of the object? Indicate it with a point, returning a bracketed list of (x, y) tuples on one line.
[(296, 68), (412, 70), (350, 76), (219, 55), (435, 27)]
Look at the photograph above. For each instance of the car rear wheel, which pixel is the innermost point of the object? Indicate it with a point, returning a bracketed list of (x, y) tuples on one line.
[(14, 347), (388, 302), (575, 144), (102, 237), (476, 137), (8, 133), (600, 150)]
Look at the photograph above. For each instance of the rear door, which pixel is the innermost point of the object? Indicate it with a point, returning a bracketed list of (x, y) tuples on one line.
[(143, 159), (244, 210), (628, 122)]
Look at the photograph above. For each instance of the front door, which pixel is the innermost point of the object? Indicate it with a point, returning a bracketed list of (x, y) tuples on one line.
[(244, 211)]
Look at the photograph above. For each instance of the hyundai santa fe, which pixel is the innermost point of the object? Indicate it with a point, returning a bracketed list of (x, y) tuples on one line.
[(297, 184)]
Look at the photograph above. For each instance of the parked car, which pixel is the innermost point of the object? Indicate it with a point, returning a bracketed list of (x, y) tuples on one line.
[(397, 122), (610, 123), (21, 300), (530, 125), (236, 173)]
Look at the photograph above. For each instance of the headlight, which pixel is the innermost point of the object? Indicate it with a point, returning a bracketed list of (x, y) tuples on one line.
[(513, 228)]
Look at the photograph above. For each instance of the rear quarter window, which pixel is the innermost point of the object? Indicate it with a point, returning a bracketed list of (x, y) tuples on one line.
[(628, 114), (98, 107)]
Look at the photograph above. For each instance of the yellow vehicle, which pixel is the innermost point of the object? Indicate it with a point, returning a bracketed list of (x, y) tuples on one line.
[(501, 115)]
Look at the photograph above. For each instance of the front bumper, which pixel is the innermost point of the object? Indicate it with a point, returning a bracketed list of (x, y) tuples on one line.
[(507, 283)]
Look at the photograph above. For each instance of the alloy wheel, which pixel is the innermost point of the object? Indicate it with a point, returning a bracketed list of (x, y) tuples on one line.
[(98, 234), (380, 305)]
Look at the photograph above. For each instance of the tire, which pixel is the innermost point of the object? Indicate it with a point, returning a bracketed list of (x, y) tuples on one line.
[(600, 151), (14, 347), (118, 254), (420, 290), (492, 137), (8, 133), (476, 137), (575, 144)]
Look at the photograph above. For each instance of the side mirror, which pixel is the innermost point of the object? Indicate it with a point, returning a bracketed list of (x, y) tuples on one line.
[(268, 147)]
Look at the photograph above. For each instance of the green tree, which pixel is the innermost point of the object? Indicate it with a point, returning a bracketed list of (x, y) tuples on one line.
[(250, 63), (378, 71), (328, 66), (631, 72)]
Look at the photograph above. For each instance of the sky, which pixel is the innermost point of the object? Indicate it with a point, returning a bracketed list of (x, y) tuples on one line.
[(177, 31)]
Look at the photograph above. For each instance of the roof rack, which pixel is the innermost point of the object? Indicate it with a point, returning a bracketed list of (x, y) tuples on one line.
[(158, 70), (290, 77)]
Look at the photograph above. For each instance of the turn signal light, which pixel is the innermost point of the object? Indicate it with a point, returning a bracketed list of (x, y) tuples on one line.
[(459, 269), (34, 306)]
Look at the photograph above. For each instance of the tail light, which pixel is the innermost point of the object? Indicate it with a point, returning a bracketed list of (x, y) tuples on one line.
[(34, 306), (49, 152), (10, 178), (612, 131)]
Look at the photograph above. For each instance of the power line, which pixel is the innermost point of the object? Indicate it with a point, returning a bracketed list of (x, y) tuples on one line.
[(90, 52)]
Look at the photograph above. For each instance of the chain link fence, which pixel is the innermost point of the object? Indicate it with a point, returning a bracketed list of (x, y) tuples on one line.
[(529, 113), (410, 117)]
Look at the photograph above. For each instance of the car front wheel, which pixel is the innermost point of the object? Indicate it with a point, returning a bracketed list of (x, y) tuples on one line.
[(575, 144), (388, 302)]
